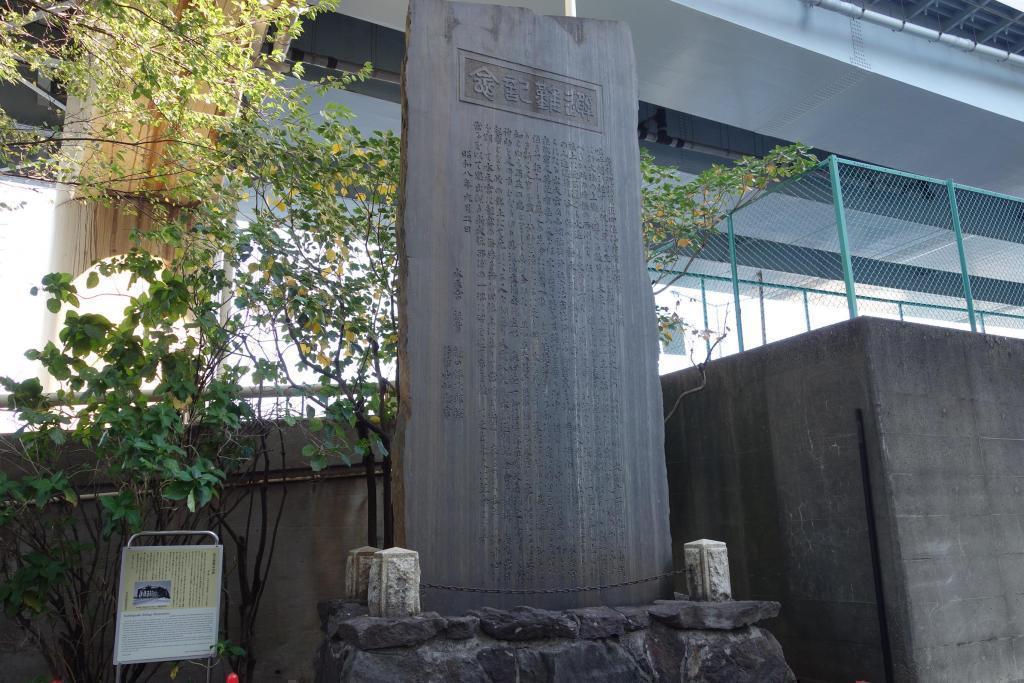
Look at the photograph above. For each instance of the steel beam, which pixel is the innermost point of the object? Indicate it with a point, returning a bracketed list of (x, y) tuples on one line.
[(923, 6), (963, 16), (992, 32)]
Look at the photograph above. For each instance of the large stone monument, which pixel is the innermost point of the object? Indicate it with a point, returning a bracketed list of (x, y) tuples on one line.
[(529, 452)]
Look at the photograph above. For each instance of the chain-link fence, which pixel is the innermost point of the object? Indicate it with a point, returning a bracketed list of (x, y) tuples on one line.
[(848, 239)]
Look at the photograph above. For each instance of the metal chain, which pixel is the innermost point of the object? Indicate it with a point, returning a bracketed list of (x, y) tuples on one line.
[(546, 591)]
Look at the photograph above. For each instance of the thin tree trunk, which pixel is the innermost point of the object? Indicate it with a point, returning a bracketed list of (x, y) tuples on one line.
[(371, 489), (389, 513)]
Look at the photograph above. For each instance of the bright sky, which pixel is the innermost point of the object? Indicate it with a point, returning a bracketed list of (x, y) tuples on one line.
[(25, 236), (1015, 4)]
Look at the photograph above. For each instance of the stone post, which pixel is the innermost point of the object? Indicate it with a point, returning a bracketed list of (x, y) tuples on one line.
[(394, 586), (357, 572), (707, 571)]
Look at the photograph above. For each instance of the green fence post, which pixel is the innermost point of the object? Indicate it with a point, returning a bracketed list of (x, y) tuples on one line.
[(735, 280), (981, 319), (807, 311), (844, 244), (900, 307), (958, 231), (704, 307)]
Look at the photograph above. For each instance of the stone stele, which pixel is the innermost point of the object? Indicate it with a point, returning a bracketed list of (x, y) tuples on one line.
[(394, 585), (529, 451), (357, 572), (707, 570)]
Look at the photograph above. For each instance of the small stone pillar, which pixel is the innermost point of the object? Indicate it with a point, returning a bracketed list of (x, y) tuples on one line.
[(707, 571), (357, 572), (394, 587)]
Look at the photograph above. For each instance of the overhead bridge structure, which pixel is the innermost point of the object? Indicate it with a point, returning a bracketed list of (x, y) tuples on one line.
[(886, 86)]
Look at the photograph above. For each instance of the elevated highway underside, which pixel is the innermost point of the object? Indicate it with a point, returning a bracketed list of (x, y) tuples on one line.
[(788, 70)]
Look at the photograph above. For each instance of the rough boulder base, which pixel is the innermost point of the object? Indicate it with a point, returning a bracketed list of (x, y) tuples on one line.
[(717, 616), (528, 348), (594, 644)]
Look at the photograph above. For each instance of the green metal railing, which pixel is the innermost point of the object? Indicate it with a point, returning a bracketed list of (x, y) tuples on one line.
[(849, 238)]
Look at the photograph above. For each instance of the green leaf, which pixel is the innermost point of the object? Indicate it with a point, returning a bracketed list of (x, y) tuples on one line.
[(70, 495), (53, 305), (33, 602), (92, 280)]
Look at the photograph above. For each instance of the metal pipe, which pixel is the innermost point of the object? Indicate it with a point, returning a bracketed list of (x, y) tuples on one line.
[(570, 8), (178, 532), (844, 242), (42, 93), (760, 298), (807, 311), (902, 26), (704, 308), (825, 292), (735, 281), (959, 233), (256, 391)]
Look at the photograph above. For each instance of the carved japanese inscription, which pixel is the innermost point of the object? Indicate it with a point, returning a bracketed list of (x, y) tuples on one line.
[(496, 83), (529, 447), (545, 253)]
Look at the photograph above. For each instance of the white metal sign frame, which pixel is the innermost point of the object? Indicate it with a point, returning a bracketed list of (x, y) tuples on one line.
[(219, 576)]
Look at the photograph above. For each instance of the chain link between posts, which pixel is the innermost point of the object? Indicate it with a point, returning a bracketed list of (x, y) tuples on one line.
[(548, 591)]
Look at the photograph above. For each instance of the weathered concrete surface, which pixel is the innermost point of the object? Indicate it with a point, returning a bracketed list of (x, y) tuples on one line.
[(766, 459), (529, 444), (529, 645)]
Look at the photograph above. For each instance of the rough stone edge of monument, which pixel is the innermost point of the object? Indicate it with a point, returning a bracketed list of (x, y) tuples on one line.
[(631, 643), (403, 415), (348, 622)]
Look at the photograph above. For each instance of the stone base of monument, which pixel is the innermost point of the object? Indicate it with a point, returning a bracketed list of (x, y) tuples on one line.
[(672, 640)]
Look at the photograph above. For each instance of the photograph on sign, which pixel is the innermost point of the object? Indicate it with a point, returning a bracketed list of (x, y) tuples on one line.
[(168, 603), (152, 594)]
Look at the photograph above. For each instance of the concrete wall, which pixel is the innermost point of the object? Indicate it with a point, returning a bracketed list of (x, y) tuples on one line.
[(322, 521), (766, 458)]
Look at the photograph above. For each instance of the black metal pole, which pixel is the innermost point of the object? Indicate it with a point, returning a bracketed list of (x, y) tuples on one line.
[(876, 564)]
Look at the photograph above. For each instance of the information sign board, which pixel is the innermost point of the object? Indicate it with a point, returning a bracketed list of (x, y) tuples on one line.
[(168, 603)]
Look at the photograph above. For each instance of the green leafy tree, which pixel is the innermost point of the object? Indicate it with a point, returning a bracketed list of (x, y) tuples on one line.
[(679, 217), (145, 430), (148, 426), (148, 85), (320, 280)]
